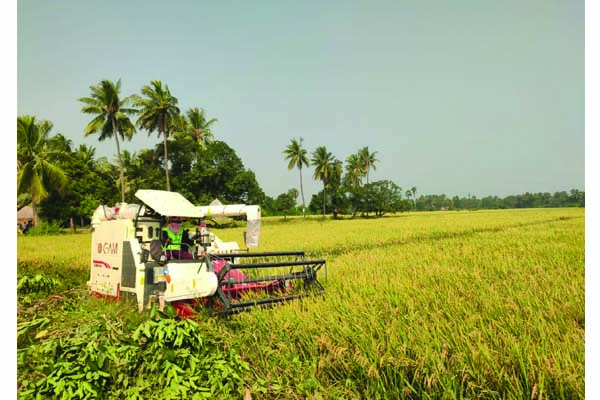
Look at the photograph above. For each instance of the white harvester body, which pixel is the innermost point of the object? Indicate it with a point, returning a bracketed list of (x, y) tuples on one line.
[(121, 244)]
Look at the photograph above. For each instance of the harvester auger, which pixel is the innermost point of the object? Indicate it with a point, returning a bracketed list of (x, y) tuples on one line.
[(161, 251)]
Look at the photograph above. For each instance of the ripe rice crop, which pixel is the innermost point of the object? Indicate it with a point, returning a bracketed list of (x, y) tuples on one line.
[(441, 305)]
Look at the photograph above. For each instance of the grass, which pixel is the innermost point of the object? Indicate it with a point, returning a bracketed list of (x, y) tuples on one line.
[(486, 304)]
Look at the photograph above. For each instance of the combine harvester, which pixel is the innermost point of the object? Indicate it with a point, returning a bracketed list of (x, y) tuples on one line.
[(132, 258)]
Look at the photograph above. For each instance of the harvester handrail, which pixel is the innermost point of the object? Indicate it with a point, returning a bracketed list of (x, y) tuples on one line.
[(276, 264)]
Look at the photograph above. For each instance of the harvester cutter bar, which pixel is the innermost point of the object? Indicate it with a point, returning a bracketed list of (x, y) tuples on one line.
[(309, 272), (268, 300), (296, 275)]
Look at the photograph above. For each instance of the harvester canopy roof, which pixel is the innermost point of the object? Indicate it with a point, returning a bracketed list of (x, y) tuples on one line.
[(169, 204)]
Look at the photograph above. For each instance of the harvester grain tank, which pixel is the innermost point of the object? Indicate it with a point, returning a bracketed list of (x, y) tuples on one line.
[(131, 258)]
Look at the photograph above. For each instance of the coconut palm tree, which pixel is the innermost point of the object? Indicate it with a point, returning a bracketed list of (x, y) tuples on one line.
[(60, 142), (35, 171), (158, 110), (414, 196), (368, 160), (111, 117), (179, 130), (295, 153), (325, 166), (355, 170), (199, 126), (336, 172), (86, 154), (179, 125)]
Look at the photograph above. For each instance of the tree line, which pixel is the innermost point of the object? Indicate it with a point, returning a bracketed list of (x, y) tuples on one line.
[(348, 190), (572, 198), (65, 183)]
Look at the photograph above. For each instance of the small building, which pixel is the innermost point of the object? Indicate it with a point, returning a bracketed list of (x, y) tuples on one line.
[(24, 214)]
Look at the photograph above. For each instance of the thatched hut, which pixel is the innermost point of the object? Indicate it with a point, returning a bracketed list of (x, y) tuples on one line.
[(24, 214)]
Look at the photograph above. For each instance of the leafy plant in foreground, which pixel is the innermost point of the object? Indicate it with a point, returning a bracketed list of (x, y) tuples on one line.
[(162, 358)]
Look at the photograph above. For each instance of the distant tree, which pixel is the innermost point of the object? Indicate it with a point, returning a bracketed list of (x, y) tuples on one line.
[(199, 126), (490, 202), (183, 154), (286, 201), (355, 170), (90, 185), (408, 194), (356, 198), (158, 110), (383, 197), (111, 117), (244, 188), (144, 170), (457, 203), (220, 173), (368, 160), (296, 154), (60, 144), (293, 192), (86, 154), (577, 198), (22, 200), (267, 207), (179, 125), (413, 191), (35, 171), (323, 161)]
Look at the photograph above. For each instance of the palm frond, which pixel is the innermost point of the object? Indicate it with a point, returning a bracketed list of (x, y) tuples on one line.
[(95, 125)]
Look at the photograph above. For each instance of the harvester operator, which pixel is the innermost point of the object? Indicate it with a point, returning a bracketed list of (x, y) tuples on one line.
[(172, 239)]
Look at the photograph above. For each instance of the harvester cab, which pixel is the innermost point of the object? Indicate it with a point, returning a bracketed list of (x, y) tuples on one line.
[(162, 251)]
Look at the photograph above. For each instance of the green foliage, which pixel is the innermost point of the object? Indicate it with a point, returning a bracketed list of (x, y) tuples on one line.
[(296, 155), (35, 284), (45, 228), (217, 174), (382, 197), (144, 171), (285, 202), (198, 126), (160, 358), (574, 198), (23, 200), (110, 117), (38, 163), (33, 287), (328, 170), (268, 207), (91, 186), (158, 112)]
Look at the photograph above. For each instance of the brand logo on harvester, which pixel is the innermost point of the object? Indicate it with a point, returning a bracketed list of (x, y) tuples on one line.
[(108, 248)]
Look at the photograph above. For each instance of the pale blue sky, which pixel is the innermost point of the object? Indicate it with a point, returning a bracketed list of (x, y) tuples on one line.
[(456, 97)]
